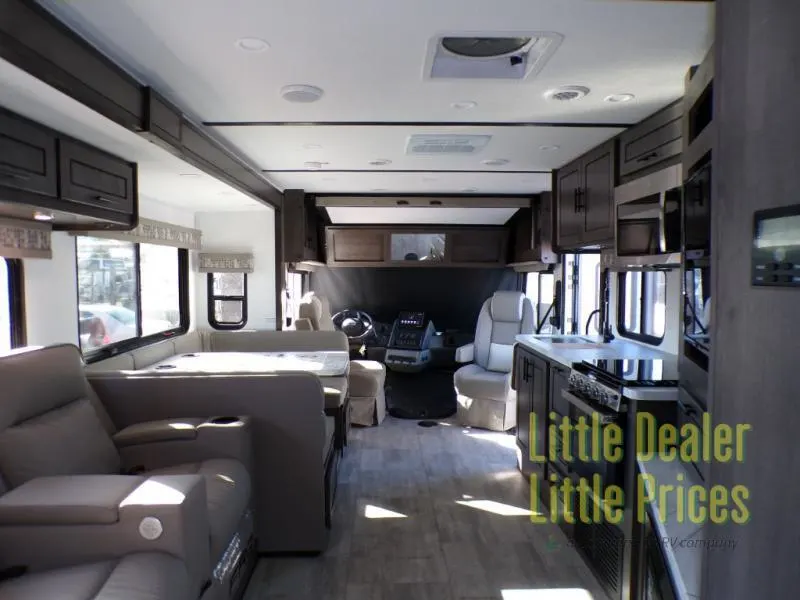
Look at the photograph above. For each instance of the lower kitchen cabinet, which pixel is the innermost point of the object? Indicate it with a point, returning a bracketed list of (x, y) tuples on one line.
[(531, 379)]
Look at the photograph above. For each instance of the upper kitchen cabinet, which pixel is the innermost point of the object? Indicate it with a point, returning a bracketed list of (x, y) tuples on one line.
[(479, 247), (584, 191), (75, 185), (301, 228), (532, 230), (653, 144)]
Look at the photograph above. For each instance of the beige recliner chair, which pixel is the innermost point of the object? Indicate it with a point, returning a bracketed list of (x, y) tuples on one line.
[(367, 377), (484, 395)]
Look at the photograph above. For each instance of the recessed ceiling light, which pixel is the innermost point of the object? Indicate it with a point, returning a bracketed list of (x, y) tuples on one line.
[(378, 189), (379, 162), (495, 162), (40, 216), (464, 105), (549, 148), (250, 44), (469, 190), (614, 98), (190, 174), (567, 93), (312, 146), (301, 93), (314, 165)]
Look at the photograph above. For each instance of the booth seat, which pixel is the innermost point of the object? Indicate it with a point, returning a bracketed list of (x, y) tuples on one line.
[(78, 487)]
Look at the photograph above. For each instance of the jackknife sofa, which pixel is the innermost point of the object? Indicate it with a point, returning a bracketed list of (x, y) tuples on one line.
[(78, 490)]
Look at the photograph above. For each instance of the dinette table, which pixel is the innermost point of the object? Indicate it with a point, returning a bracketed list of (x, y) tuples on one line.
[(321, 363)]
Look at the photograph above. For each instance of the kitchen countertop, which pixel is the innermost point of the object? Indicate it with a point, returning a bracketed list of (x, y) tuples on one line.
[(684, 543), (569, 353)]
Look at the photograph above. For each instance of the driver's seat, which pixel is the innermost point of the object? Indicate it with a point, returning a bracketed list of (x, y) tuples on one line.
[(367, 377)]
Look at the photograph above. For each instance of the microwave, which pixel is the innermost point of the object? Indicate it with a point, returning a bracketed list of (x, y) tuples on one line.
[(648, 220)]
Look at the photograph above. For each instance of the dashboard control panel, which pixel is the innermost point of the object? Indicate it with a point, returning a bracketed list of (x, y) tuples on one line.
[(411, 331)]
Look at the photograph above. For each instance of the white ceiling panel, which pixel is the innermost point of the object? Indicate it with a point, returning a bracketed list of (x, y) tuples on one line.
[(369, 56), (320, 182), (391, 215), (162, 176), (353, 147)]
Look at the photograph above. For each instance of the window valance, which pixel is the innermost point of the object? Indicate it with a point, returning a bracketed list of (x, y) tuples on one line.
[(225, 262), (155, 232), (25, 239)]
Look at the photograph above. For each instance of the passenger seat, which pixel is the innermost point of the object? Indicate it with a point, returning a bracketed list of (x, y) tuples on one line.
[(142, 576), (367, 377)]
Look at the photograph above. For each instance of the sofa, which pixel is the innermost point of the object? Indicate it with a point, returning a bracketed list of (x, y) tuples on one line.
[(83, 498)]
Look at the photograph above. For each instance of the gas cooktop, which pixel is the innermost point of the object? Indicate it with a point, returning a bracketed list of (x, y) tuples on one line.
[(661, 372)]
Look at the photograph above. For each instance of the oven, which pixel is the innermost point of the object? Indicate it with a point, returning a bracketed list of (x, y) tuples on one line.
[(649, 219)]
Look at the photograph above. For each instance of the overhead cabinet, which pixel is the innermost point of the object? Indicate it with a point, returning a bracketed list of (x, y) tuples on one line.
[(301, 227), (653, 144), (416, 246), (585, 200), (533, 233), (80, 186)]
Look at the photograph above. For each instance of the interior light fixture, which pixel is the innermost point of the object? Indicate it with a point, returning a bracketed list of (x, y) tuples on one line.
[(616, 98), (312, 147), (495, 162), (251, 44), (190, 174), (301, 93), (550, 148), (314, 165), (40, 216), (379, 162), (469, 190), (464, 105)]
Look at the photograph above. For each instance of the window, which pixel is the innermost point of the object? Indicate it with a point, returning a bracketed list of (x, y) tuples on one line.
[(295, 287), (588, 294), (128, 292), (540, 289), (6, 329), (227, 300), (643, 306)]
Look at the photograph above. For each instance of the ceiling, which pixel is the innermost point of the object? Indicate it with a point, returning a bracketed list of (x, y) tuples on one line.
[(371, 59), (162, 177)]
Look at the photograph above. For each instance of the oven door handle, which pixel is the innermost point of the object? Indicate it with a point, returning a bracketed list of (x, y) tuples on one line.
[(585, 407)]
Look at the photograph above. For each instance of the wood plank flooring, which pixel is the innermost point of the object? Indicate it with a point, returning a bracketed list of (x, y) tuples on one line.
[(423, 513)]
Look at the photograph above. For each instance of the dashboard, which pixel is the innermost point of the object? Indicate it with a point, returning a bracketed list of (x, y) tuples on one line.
[(409, 318)]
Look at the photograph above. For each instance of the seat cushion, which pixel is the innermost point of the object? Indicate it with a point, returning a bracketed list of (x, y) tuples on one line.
[(367, 378), (474, 381), (335, 389), (144, 576), (228, 493)]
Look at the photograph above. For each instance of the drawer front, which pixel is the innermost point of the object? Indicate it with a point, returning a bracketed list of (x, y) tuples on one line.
[(653, 141), (96, 179), (27, 157)]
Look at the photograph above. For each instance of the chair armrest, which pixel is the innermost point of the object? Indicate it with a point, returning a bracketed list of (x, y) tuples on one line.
[(466, 353), (159, 444), (303, 325), (51, 522)]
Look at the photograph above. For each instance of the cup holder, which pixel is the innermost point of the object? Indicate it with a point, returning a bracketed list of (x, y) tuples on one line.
[(224, 420)]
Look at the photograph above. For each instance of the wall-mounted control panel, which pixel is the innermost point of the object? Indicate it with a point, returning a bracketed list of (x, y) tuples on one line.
[(776, 247)]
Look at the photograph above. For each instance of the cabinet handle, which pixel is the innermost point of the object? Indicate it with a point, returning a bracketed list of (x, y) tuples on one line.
[(6, 173), (526, 376), (579, 205), (104, 199), (647, 157)]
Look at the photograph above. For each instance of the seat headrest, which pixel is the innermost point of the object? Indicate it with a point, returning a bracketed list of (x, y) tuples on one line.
[(39, 380), (507, 306), (310, 308)]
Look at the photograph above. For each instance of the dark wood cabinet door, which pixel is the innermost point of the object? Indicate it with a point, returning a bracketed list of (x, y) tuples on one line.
[(96, 179), (540, 388), (596, 202), (653, 141), (570, 223), (522, 368), (354, 246), (27, 157), (476, 247)]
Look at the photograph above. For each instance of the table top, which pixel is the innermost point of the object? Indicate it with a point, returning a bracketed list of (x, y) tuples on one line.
[(321, 363)]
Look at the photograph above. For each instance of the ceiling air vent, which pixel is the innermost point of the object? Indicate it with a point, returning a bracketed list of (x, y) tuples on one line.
[(446, 144), (566, 93), (485, 56)]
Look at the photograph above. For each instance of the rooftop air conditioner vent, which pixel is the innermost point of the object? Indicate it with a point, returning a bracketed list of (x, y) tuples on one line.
[(516, 56), (446, 144)]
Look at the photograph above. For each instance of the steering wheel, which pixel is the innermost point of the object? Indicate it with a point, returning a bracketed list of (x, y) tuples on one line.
[(355, 324)]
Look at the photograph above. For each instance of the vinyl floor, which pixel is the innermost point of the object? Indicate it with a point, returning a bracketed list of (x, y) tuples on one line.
[(438, 513)]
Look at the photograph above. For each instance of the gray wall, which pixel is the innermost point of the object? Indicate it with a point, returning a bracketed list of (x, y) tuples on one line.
[(756, 355)]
